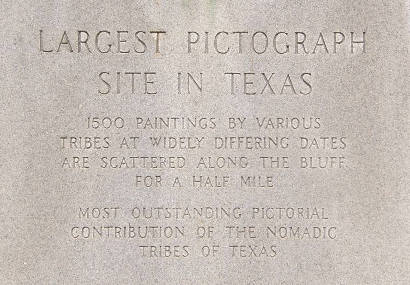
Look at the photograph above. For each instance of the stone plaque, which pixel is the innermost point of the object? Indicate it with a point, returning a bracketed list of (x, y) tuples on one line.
[(204, 142)]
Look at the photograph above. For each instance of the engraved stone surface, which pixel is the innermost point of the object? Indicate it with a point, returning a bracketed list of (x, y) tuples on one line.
[(204, 142)]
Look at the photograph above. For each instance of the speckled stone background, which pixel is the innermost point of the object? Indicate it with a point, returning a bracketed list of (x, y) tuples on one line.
[(360, 96)]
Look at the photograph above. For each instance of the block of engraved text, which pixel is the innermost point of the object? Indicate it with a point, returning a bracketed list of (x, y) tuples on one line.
[(204, 142)]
